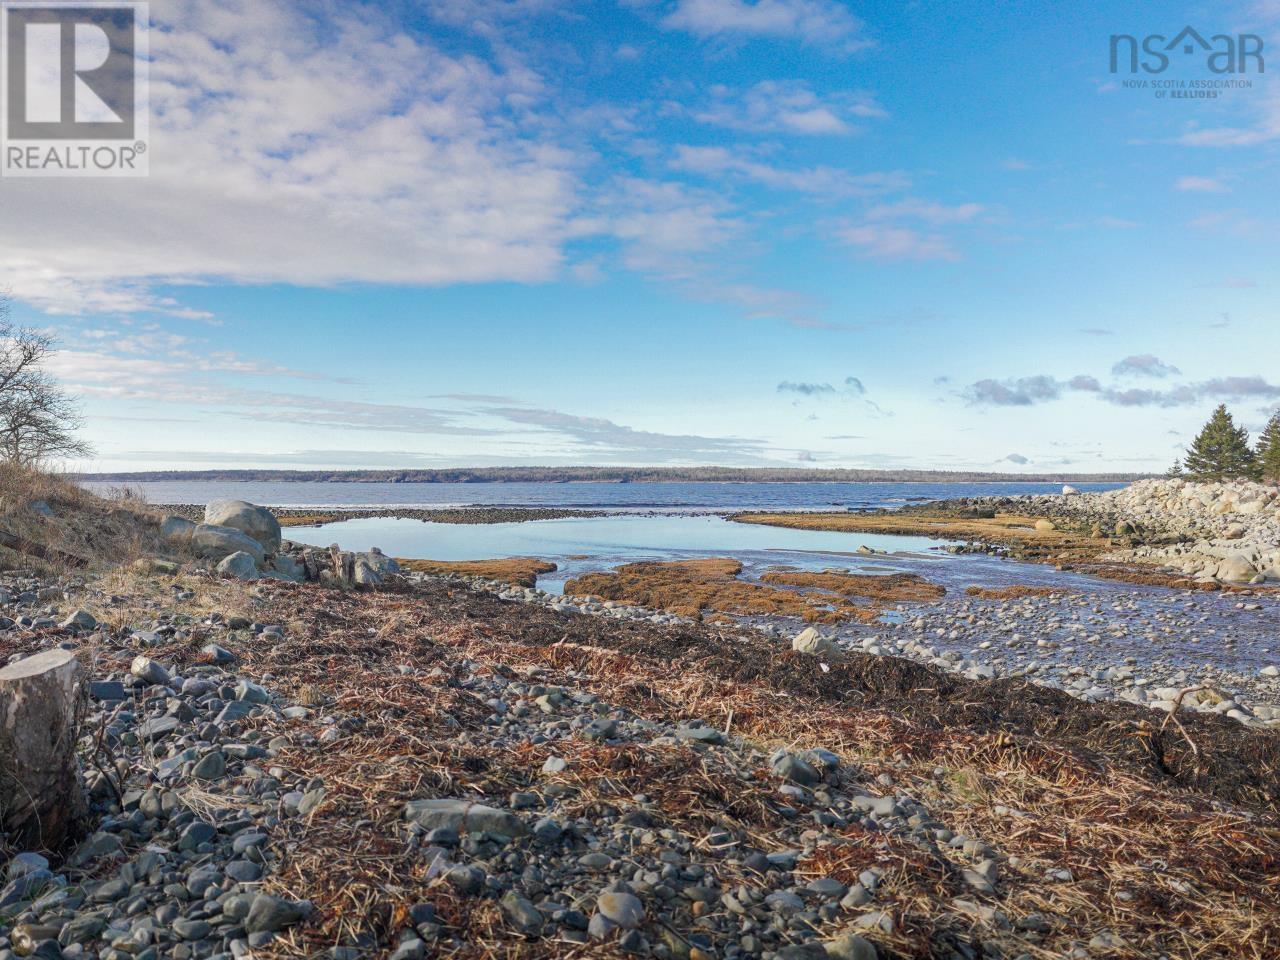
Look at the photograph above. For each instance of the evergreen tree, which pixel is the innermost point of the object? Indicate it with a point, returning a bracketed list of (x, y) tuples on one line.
[(1268, 455), (1221, 451)]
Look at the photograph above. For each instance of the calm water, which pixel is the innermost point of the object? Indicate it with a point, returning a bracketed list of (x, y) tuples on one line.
[(580, 545), (622, 496), (653, 521)]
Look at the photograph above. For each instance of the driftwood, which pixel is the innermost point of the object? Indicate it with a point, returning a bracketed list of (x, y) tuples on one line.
[(41, 798), (31, 548), (344, 567)]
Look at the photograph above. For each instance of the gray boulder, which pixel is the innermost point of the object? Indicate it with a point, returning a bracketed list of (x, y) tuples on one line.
[(177, 528), (287, 568), (1236, 569), (797, 769), (80, 620), (238, 566), (364, 574), (214, 543), (812, 642), (621, 909), (850, 946), (257, 522), (380, 561)]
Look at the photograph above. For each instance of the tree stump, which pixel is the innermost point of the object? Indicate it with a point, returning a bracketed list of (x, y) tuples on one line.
[(41, 796)]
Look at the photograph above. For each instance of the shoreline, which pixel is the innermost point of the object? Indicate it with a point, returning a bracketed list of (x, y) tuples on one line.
[(318, 516), (781, 603), (795, 797), (579, 474), (468, 762), (1013, 633)]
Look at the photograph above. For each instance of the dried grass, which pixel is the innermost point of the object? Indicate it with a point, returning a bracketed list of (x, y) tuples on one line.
[(1199, 879)]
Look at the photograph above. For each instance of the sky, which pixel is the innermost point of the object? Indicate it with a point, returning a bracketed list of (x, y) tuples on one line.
[(742, 232)]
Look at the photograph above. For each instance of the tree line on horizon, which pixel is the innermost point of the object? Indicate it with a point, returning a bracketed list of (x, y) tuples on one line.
[(572, 474), (1221, 451)]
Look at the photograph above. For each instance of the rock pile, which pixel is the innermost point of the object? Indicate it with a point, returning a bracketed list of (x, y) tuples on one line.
[(1227, 531), (244, 542)]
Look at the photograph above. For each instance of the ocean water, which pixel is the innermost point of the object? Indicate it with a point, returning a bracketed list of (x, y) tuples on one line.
[(619, 496), (580, 545), (650, 521)]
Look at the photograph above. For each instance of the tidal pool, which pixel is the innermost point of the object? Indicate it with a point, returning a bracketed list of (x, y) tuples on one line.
[(594, 543)]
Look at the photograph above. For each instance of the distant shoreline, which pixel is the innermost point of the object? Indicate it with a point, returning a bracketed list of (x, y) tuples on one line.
[(603, 475)]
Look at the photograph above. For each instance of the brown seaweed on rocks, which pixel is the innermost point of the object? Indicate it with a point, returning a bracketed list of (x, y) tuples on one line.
[(1168, 850)]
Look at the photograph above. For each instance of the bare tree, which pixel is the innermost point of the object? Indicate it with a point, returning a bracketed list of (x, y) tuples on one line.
[(38, 420)]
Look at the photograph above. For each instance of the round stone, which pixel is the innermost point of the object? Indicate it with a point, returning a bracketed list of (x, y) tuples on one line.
[(623, 909)]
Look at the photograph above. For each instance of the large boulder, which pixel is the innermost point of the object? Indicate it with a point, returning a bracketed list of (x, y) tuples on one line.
[(238, 566), (214, 543), (178, 529), (364, 574), (1236, 569), (258, 522), (380, 561), (40, 795)]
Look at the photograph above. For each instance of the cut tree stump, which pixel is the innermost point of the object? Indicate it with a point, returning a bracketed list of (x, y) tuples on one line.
[(41, 796)]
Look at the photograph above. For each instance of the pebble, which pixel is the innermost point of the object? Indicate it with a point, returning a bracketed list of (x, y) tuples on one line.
[(621, 909)]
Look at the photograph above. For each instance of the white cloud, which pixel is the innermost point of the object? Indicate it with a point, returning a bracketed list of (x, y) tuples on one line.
[(882, 234), (934, 213), (608, 440), (678, 235), (1264, 129), (294, 147), (665, 227), (1236, 223), (1200, 185), (174, 379), (484, 16), (825, 22), (1042, 388), (883, 241), (825, 181), (773, 106)]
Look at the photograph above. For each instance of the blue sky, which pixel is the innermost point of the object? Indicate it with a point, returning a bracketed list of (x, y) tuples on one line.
[(782, 232)]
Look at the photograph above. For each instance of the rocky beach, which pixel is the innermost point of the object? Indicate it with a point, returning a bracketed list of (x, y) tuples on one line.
[(652, 480), (291, 751)]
